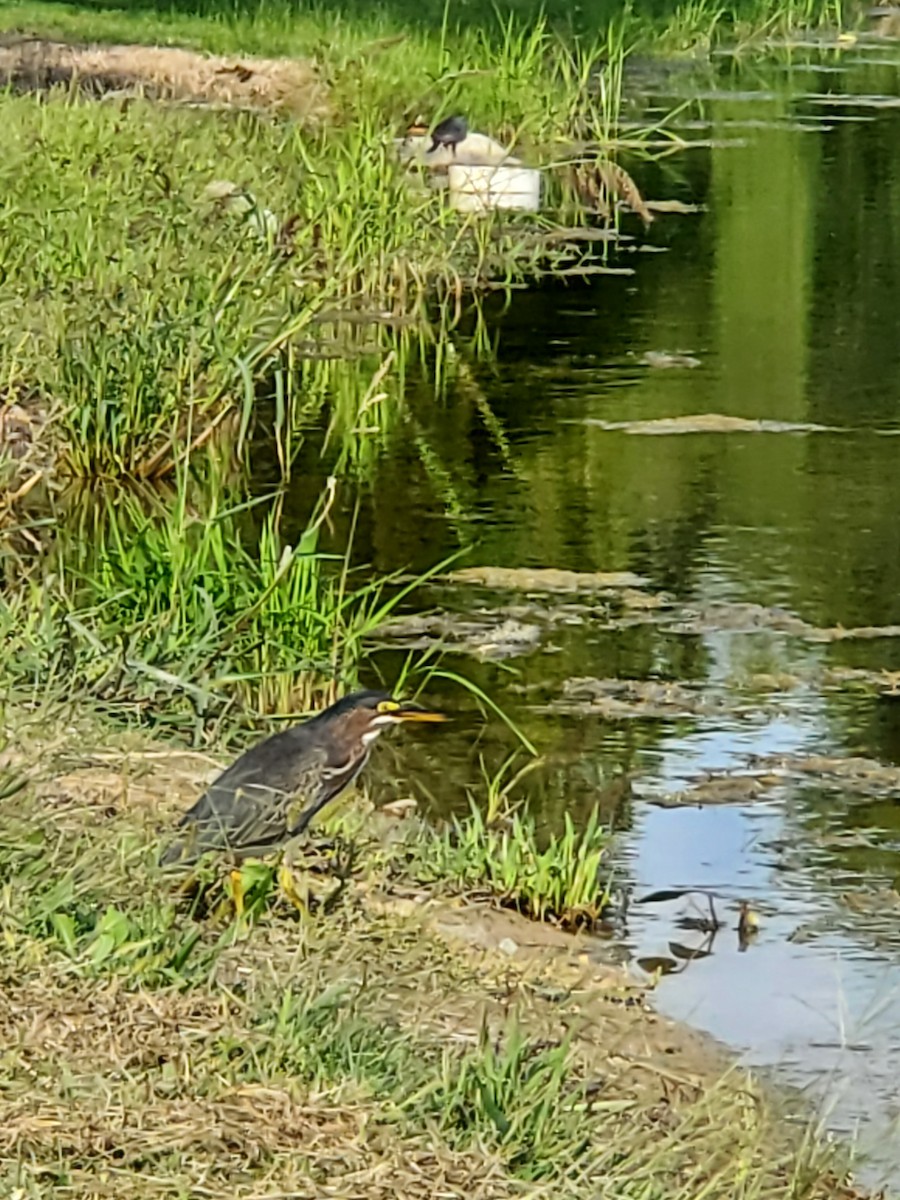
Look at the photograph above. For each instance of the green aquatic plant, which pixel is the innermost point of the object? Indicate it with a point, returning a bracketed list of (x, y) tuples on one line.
[(559, 880)]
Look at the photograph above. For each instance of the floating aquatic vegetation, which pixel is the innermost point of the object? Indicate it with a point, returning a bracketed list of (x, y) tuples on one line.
[(663, 359), (487, 635), (546, 579), (722, 789), (647, 699), (707, 423)]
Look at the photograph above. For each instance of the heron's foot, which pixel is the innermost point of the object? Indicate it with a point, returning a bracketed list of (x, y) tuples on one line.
[(236, 889), (344, 860), (295, 886)]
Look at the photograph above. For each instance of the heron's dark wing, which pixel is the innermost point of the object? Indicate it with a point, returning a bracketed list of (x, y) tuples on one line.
[(336, 775), (252, 804), (270, 793)]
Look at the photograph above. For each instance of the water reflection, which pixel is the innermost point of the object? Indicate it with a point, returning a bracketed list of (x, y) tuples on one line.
[(786, 287)]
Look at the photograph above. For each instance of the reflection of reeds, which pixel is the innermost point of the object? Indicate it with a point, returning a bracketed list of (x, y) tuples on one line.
[(601, 185)]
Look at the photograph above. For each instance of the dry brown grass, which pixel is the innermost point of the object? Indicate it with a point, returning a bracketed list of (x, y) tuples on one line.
[(167, 73), (318, 1057)]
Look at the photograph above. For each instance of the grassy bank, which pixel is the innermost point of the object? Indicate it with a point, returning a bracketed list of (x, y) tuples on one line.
[(190, 297), (434, 32), (350, 1050), (183, 285)]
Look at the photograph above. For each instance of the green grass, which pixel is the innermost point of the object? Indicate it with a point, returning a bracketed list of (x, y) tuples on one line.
[(178, 615), (434, 34), (155, 329), (146, 1045), (558, 880), (139, 308)]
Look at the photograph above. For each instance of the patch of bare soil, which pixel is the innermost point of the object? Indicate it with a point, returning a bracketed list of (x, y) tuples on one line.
[(166, 73)]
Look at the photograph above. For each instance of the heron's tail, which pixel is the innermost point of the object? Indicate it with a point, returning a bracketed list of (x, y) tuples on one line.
[(177, 852)]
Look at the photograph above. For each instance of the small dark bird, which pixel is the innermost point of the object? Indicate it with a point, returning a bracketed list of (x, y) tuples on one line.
[(450, 133), (275, 789)]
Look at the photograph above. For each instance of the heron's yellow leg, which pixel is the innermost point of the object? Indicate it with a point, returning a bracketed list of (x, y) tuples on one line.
[(237, 892), (296, 891)]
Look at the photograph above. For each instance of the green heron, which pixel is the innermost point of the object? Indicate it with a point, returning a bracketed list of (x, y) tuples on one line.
[(449, 133), (273, 791)]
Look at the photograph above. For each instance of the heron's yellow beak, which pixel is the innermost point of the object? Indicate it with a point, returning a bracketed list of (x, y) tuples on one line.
[(412, 712)]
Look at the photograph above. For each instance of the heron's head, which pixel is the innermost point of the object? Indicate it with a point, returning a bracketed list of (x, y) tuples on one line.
[(362, 716)]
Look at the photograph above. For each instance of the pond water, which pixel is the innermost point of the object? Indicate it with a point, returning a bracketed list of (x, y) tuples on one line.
[(782, 295)]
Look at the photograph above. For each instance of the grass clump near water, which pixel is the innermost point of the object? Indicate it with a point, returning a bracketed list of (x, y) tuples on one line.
[(349, 1053), (161, 263), (167, 268), (187, 619), (174, 281), (139, 308), (559, 879)]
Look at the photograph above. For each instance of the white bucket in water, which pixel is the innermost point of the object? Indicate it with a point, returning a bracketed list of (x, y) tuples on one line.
[(481, 188)]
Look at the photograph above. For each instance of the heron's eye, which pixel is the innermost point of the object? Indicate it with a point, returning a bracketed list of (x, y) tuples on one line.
[(388, 706)]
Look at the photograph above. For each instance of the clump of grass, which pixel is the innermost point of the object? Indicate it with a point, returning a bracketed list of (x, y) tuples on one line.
[(559, 881), (522, 1097), (180, 615), (148, 309)]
